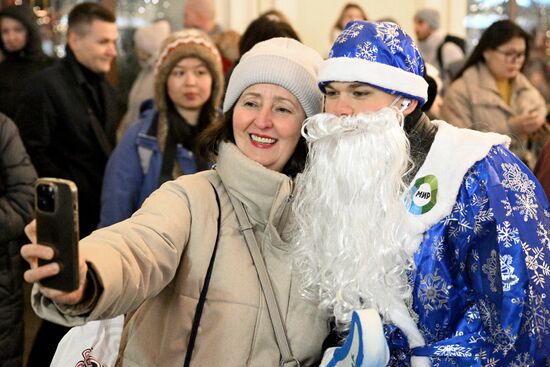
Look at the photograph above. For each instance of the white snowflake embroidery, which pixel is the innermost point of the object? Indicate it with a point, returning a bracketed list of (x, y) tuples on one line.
[(507, 235), (411, 63), (524, 191), (507, 273), (433, 292), (491, 362), (435, 332), (417, 57), (366, 51), (481, 217), (471, 178), (527, 206), (507, 207), (537, 316), (534, 260), (502, 338), (453, 350), (438, 248), (544, 235), (472, 315), (475, 257), (454, 231), (522, 360), (464, 225), (517, 180), (460, 208), (389, 34), (349, 33), (491, 268), (501, 150), (480, 201), (476, 338)]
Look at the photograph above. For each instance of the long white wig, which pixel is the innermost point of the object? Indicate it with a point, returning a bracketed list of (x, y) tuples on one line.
[(351, 243)]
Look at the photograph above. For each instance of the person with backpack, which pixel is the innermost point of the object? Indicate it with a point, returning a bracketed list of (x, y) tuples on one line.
[(446, 52)]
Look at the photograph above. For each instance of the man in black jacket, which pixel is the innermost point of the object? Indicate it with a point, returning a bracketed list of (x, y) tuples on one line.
[(68, 114), (67, 117)]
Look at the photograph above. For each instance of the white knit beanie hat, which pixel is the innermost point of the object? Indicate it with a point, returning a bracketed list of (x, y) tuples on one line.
[(430, 16), (281, 61)]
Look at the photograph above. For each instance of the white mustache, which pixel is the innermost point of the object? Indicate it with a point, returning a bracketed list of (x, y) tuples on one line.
[(325, 124)]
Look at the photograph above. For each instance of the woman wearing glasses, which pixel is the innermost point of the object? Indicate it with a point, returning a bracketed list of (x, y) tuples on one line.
[(491, 94)]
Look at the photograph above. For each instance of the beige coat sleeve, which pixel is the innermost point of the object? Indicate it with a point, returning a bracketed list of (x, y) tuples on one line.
[(456, 108), (134, 259)]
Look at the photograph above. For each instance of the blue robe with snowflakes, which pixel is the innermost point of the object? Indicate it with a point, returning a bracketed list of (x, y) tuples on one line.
[(481, 282)]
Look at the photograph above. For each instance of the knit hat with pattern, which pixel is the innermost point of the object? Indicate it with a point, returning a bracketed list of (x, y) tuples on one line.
[(177, 46)]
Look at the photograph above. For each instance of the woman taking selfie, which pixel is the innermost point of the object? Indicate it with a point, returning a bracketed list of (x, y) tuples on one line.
[(154, 264)]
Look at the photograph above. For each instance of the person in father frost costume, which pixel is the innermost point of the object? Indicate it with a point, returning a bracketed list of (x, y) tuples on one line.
[(426, 243)]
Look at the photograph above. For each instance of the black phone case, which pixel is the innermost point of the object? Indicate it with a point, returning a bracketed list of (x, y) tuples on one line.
[(59, 230)]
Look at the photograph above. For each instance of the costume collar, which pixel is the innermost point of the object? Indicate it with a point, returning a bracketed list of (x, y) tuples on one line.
[(434, 189)]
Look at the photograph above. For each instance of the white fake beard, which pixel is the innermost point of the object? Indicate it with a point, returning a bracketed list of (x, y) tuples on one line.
[(351, 215)]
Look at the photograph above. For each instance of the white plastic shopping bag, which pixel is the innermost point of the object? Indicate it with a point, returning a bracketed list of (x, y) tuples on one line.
[(94, 344)]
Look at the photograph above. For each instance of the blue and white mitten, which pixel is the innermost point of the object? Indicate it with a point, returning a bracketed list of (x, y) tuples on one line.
[(365, 345)]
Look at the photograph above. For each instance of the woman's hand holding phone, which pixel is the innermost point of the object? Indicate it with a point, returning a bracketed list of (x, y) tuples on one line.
[(33, 252), (526, 123)]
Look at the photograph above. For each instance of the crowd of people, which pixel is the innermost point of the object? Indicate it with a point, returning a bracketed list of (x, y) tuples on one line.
[(259, 204)]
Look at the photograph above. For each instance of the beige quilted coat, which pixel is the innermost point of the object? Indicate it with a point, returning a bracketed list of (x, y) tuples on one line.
[(473, 101), (155, 262)]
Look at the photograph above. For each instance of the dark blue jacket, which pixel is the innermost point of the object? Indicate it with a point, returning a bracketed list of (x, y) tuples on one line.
[(133, 170)]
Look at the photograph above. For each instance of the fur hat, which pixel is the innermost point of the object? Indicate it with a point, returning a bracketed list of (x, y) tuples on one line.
[(150, 37), (281, 61), (179, 45), (378, 54), (430, 16)]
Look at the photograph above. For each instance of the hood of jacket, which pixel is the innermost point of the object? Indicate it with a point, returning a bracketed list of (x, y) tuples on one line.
[(265, 193), (33, 46)]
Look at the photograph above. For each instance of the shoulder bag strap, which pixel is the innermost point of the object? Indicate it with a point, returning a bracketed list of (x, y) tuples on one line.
[(265, 282), (202, 298), (100, 134), (168, 159)]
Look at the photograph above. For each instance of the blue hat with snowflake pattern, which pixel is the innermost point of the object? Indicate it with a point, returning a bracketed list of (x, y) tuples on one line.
[(378, 54)]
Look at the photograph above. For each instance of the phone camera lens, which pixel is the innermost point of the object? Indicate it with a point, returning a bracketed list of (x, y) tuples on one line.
[(45, 200)]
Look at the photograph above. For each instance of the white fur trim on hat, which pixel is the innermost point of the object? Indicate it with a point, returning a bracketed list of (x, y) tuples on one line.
[(281, 61), (346, 69)]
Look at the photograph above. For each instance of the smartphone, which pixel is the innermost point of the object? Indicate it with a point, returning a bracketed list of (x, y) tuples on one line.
[(56, 208)]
